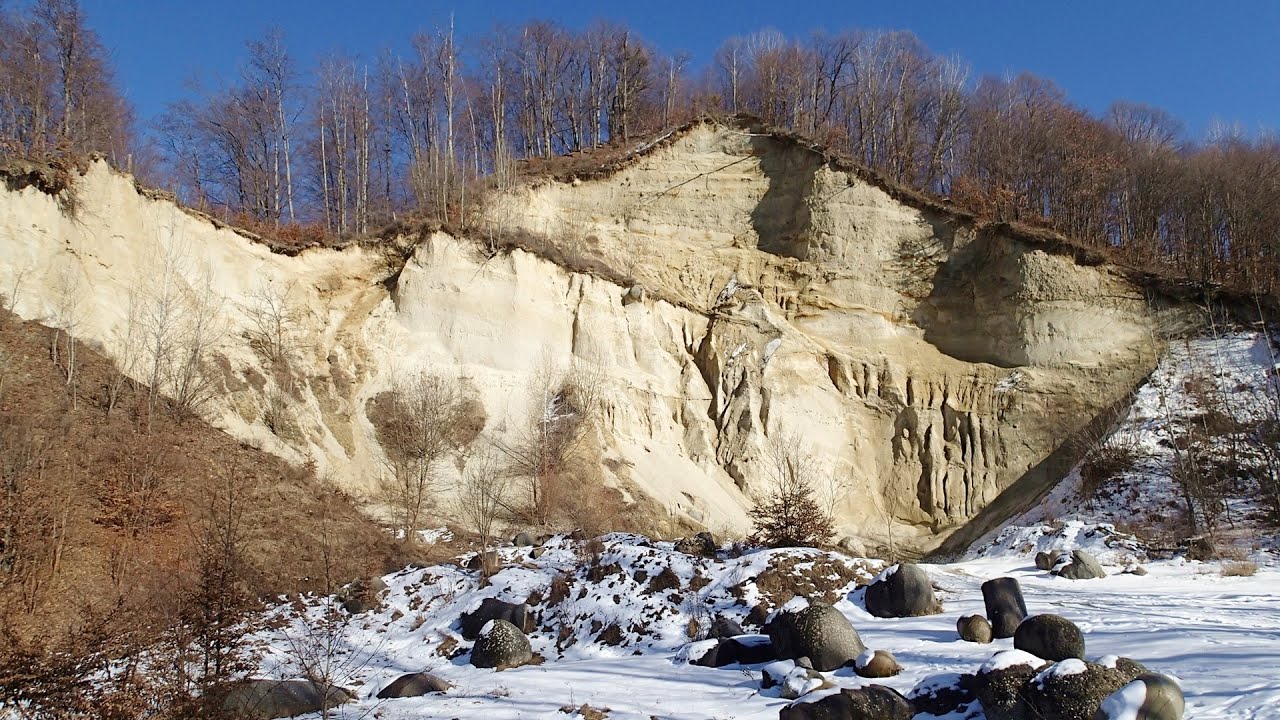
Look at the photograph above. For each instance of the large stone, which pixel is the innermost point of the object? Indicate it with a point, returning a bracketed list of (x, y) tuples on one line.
[(1051, 637), (1081, 566), (943, 694), (999, 683), (902, 591), (818, 632), (1072, 689), (1150, 697), (494, 609), (522, 539), (1005, 607), (501, 645), (1046, 560), (724, 627), (873, 702), (974, 629), (414, 685), (282, 698), (704, 544)]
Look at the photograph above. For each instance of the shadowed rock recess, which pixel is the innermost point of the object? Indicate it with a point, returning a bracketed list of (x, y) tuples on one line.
[(937, 365)]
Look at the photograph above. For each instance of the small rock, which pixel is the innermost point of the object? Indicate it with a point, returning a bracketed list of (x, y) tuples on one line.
[(876, 664), (415, 685), (1005, 607), (724, 627), (522, 539), (975, 629), (634, 294), (1046, 560), (363, 595), (740, 650), (704, 544), (1051, 637), (282, 698)]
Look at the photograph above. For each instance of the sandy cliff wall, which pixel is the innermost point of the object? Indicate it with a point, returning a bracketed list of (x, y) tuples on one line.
[(927, 367)]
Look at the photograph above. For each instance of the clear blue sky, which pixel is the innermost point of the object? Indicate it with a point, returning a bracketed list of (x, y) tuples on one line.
[(1199, 60)]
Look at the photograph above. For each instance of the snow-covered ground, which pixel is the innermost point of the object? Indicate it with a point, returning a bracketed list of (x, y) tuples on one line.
[(1234, 375), (1219, 635)]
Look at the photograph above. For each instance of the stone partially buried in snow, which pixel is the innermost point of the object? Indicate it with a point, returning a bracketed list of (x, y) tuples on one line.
[(1005, 607), (414, 685), (873, 702), (724, 627), (739, 650), (1151, 697), (282, 698), (362, 595), (494, 609), (818, 632), (876, 664), (1080, 565), (901, 591), (974, 629), (1046, 560), (501, 645), (1072, 689), (1051, 637)]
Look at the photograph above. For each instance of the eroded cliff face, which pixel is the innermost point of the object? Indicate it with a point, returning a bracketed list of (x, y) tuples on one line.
[(928, 368)]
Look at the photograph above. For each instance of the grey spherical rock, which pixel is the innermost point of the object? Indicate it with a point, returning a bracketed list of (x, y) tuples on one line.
[(282, 698), (522, 539), (1151, 697), (974, 629), (494, 609), (1051, 637), (414, 685), (902, 591), (876, 664), (501, 645), (819, 632), (1005, 607), (1080, 566)]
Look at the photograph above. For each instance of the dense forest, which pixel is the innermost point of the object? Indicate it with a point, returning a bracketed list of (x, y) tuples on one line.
[(346, 146)]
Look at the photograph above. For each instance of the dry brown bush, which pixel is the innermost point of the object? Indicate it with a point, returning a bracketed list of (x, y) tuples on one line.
[(1239, 568)]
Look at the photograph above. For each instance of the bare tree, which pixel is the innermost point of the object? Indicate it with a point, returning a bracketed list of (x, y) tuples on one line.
[(272, 318), (420, 422), (483, 495)]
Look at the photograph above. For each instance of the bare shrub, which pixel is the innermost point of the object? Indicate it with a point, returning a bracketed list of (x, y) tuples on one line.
[(483, 495), (272, 318), (1105, 457), (1239, 568), (790, 515), (420, 422)]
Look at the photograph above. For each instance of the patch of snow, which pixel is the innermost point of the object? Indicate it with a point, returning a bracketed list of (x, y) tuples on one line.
[(1125, 703), (1062, 668), (1006, 659), (864, 658)]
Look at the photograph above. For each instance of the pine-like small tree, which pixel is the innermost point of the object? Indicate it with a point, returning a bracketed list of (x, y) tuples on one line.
[(791, 516)]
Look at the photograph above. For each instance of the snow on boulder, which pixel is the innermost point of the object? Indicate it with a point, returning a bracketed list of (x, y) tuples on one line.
[(873, 702), (1150, 697), (501, 645), (494, 609), (944, 695), (1080, 565), (1101, 540), (1072, 689), (739, 650), (1000, 681)]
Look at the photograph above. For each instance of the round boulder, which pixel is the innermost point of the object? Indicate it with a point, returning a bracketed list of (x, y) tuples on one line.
[(943, 694), (818, 632), (1051, 637), (1005, 607), (1046, 560), (739, 650), (1080, 566), (724, 627), (876, 664), (901, 591), (363, 595), (494, 609), (414, 685), (974, 629), (501, 645), (522, 539), (1152, 697), (1072, 689), (282, 698)]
